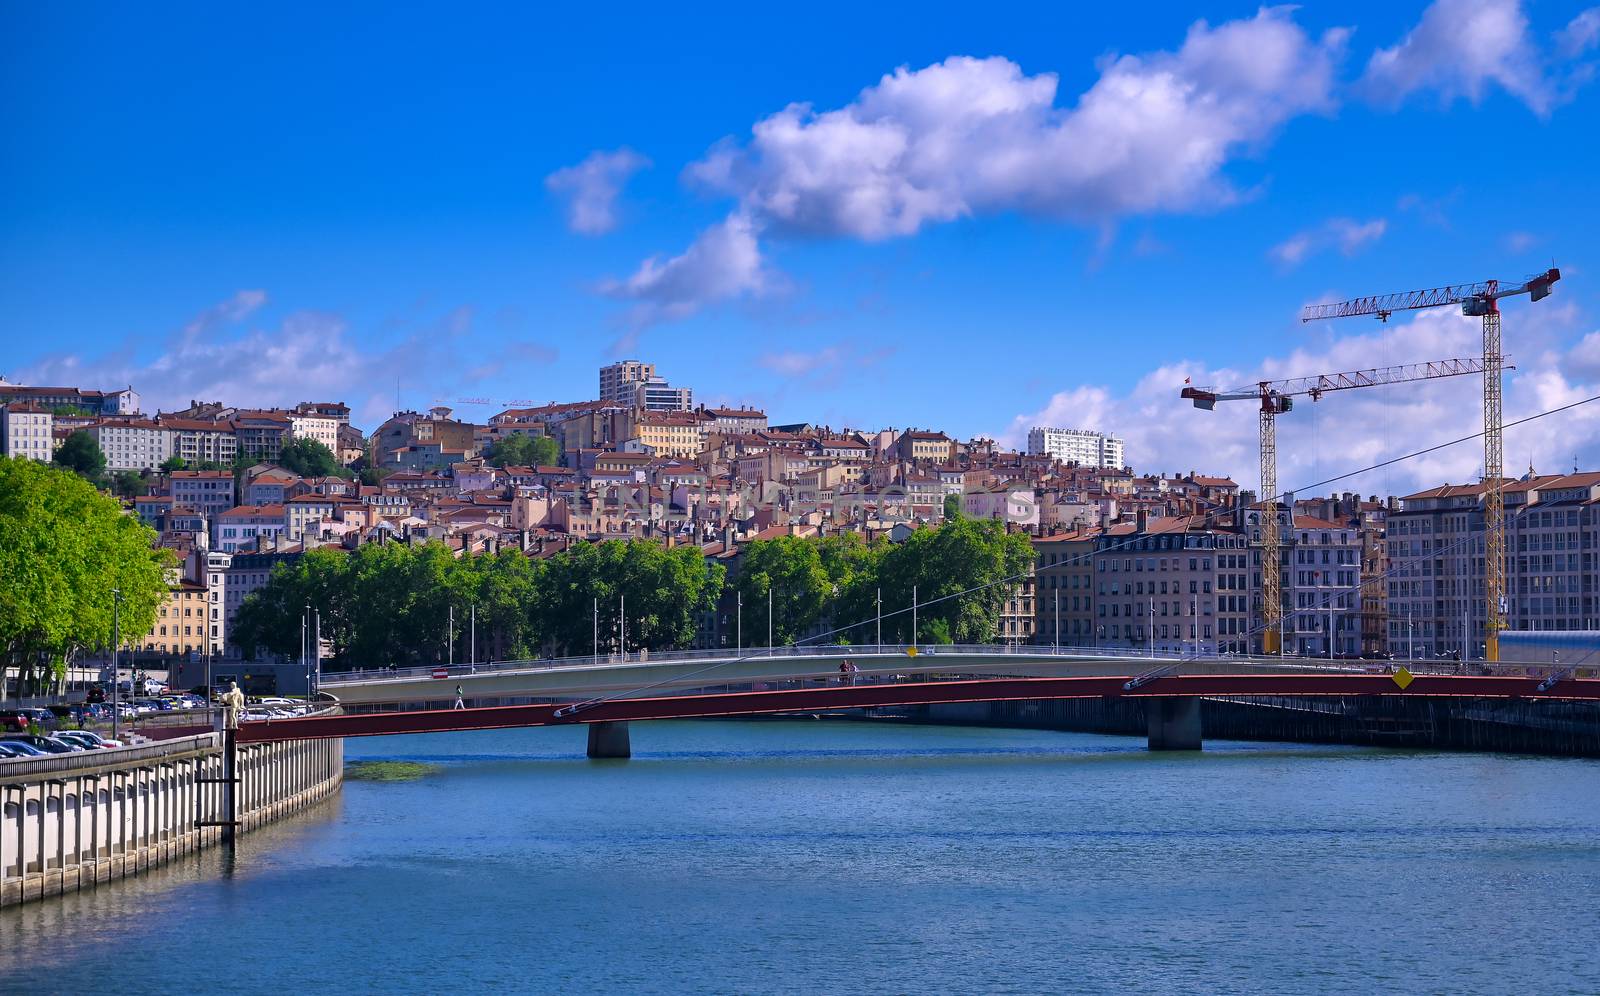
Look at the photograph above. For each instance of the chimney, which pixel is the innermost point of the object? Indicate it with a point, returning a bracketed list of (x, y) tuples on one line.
[(1143, 520)]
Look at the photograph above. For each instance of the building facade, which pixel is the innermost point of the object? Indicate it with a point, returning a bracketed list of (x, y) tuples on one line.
[(1081, 446), (27, 431)]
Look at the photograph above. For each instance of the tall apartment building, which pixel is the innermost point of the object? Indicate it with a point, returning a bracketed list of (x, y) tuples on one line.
[(635, 384), (617, 380), (27, 430), (1080, 446)]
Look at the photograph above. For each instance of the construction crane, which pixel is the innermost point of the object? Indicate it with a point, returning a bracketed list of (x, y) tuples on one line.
[(1476, 300), (1276, 398)]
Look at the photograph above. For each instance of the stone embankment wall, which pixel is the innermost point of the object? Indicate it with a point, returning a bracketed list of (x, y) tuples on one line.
[(72, 821), (1528, 727)]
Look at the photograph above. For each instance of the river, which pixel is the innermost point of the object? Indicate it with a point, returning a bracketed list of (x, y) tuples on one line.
[(837, 856)]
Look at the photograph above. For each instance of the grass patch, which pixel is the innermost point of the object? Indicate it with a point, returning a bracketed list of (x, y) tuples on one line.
[(388, 771)]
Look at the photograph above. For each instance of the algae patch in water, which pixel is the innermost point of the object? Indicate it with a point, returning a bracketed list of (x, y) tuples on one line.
[(388, 771)]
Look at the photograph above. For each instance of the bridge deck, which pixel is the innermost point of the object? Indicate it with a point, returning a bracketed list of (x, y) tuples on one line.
[(754, 702)]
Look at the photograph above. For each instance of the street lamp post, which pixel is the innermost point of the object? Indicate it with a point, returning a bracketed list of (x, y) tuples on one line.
[(769, 619), (738, 623), (116, 665), (913, 615)]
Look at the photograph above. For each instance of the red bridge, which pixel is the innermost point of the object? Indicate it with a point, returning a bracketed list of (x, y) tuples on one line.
[(1172, 698)]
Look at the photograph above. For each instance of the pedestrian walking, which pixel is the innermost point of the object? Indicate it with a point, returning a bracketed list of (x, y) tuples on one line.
[(459, 704)]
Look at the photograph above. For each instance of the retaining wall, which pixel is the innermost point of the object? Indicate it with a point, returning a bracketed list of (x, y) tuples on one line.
[(72, 821)]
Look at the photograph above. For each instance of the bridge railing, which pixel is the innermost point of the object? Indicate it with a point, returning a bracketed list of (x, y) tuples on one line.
[(869, 652)]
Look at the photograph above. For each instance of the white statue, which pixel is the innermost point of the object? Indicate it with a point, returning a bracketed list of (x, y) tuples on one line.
[(232, 701)]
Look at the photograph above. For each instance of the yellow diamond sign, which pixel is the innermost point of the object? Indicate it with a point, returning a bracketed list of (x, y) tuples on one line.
[(911, 651), (1403, 678)]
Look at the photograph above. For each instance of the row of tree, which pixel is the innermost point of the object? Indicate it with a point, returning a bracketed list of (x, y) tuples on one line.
[(64, 549), (415, 605), (410, 605), (842, 589)]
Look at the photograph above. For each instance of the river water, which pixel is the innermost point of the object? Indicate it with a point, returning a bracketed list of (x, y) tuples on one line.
[(836, 856)]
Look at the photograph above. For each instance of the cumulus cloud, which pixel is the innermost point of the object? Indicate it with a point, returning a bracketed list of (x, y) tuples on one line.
[(723, 262), (308, 356), (970, 136), (1344, 234), (1461, 47), (591, 188), (1351, 429)]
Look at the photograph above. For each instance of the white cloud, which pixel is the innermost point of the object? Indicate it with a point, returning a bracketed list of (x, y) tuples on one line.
[(1351, 429), (1458, 49), (723, 262), (1581, 34), (592, 186), (1344, 234), (973, 136), (309, 356), (1520, 242), (799, 364)]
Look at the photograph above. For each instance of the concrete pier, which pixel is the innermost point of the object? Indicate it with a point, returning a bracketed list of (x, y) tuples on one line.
[(1174, 723), (609, 740)]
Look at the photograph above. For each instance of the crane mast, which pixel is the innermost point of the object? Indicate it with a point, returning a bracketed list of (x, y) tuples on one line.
[(1480, 300), (1276, 398)]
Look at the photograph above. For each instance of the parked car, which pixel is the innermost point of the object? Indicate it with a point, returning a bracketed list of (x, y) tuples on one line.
[(16, 748), (50, 745), (14, 719), (83, 738)]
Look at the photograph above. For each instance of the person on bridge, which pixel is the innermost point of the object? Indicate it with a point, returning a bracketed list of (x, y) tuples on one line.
[(459, 704)]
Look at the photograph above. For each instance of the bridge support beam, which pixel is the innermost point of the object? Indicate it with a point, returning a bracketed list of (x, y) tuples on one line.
[(1174, 723), (609, 740)]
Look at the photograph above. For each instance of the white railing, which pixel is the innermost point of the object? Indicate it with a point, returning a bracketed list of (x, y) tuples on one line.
[(936, 651)]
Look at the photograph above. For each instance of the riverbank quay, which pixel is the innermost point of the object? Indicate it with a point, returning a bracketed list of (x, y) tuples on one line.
[(1554, 728), (72, 821)]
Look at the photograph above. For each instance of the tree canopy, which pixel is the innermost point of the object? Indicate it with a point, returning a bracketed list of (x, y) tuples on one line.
[(63, 548), (80, 454), (310, 458), (390, 603), (522, 450)]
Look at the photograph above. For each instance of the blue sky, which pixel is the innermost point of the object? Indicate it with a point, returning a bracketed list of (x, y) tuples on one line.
[(1052, 216)]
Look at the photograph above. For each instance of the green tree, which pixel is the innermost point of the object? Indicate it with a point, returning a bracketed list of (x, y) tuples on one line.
[(952, 507), (664, 591), (64, 547), (129, 484), (853, 566), (522, 450), (171, 464), (310, 458), (959, 573), (791, 569), (80, 454)]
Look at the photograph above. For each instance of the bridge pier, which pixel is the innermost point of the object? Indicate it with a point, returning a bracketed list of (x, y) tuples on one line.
[(1174, 722), (609, 740)]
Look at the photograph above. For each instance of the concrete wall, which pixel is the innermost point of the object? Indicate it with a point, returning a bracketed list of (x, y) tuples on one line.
[(72, 821)]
